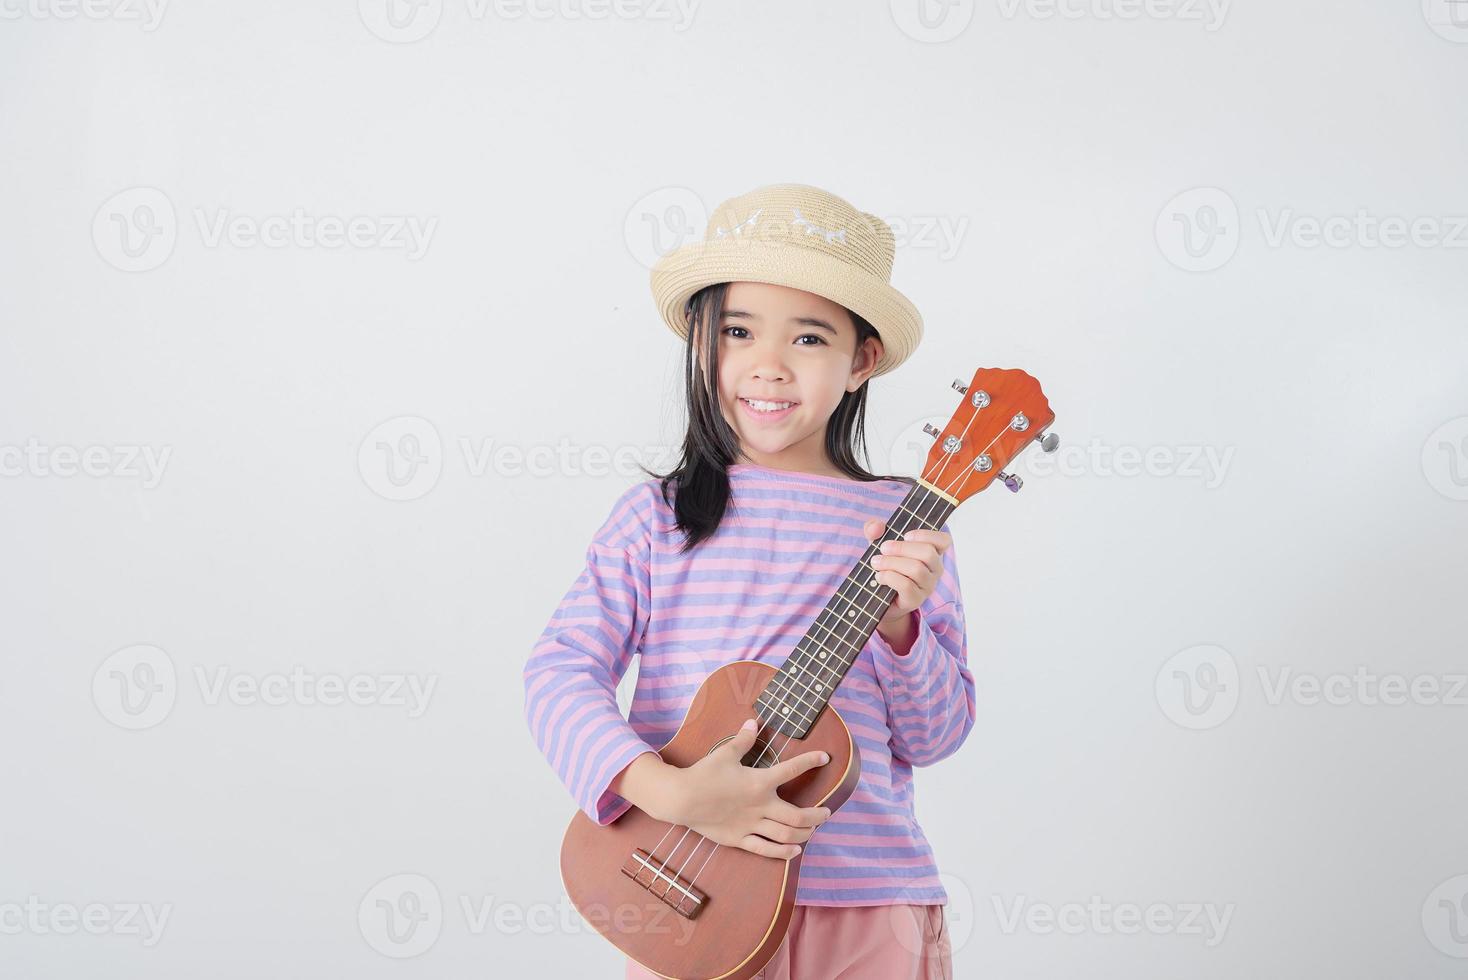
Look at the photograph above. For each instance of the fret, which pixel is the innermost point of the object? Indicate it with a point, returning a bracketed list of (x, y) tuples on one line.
[(802, 688)]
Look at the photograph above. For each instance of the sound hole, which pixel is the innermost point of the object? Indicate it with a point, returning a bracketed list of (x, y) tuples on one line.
[(760, 756)]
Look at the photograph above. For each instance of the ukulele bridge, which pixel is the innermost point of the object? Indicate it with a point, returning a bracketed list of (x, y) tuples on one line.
[(680, 895)]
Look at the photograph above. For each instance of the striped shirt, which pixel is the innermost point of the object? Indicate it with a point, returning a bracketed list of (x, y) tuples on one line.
[(750, 592)]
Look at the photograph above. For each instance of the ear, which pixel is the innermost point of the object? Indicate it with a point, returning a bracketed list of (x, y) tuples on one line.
[(865, 362)]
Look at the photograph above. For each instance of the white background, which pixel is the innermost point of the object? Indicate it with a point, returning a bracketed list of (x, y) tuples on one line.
[(554, 156)]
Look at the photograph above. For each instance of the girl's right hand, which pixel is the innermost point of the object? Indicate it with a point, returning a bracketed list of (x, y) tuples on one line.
[(733, 804)]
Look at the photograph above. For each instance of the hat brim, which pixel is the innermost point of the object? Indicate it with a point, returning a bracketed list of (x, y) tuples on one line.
[(682, 272)]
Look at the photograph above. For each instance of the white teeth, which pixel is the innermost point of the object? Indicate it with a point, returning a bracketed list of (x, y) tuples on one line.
[(767, 406)]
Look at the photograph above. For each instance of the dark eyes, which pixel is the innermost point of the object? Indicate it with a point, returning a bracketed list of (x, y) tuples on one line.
[(814, 336)]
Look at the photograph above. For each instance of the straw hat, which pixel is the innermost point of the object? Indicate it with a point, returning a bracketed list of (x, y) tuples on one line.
[(799, 236)]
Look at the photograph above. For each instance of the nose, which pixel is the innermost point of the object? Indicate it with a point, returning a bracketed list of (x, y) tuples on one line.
[(770, 364)]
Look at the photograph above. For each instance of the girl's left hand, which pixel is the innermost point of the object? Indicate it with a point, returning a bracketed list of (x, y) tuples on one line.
[(911, 566)]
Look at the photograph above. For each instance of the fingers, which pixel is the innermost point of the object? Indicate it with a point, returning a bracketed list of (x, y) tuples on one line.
[(790, 768), (928, 555), (914, 568), (768, 848), (783, 833), (743, 739), (799, 816)]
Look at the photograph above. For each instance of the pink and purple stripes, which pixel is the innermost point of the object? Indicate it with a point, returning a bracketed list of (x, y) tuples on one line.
[(750, 593)]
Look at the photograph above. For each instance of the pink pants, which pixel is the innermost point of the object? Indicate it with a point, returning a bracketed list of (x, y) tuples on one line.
[(858, 942)]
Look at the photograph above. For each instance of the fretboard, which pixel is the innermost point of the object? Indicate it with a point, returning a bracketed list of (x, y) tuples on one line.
[(795, 696)]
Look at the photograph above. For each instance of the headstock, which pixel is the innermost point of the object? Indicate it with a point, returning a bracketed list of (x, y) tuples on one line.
[(1002, 412)]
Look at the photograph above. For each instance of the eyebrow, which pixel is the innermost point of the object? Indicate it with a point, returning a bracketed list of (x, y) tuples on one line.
[(805, 321)]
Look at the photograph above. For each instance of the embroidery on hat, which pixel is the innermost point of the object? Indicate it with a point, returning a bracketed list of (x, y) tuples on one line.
[(838, 235), (748, 222)]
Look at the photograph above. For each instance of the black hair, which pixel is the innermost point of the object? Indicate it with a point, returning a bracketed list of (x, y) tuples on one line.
[(710, 445)]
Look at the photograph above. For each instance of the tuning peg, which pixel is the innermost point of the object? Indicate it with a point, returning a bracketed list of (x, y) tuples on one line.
[(959, 386), (928, 428), (1011, 481), (1049, 442)]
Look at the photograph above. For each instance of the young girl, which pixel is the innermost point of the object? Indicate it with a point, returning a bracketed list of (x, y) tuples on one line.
[(788, 313)]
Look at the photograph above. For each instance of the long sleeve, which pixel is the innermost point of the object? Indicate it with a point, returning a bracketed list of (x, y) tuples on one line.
[(930, 691), (572, 672)]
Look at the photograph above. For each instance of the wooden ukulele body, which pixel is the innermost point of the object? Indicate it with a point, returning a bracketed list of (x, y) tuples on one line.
[(649, 890)]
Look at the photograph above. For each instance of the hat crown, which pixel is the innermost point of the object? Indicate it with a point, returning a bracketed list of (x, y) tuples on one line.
[(806, 217)]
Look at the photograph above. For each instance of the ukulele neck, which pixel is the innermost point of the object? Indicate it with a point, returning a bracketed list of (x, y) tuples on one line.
[(796, 695)]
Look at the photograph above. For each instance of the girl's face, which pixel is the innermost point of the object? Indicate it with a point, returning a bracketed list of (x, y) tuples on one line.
[(787, 346)]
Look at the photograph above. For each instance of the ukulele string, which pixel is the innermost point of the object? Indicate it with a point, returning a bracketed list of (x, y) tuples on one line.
[(922, 519), (922, 522)]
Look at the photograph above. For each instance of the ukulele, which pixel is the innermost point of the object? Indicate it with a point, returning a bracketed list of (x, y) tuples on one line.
[(689, 909)]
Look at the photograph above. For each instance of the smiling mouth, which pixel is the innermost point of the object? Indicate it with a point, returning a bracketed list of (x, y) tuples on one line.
[(770, 407)]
